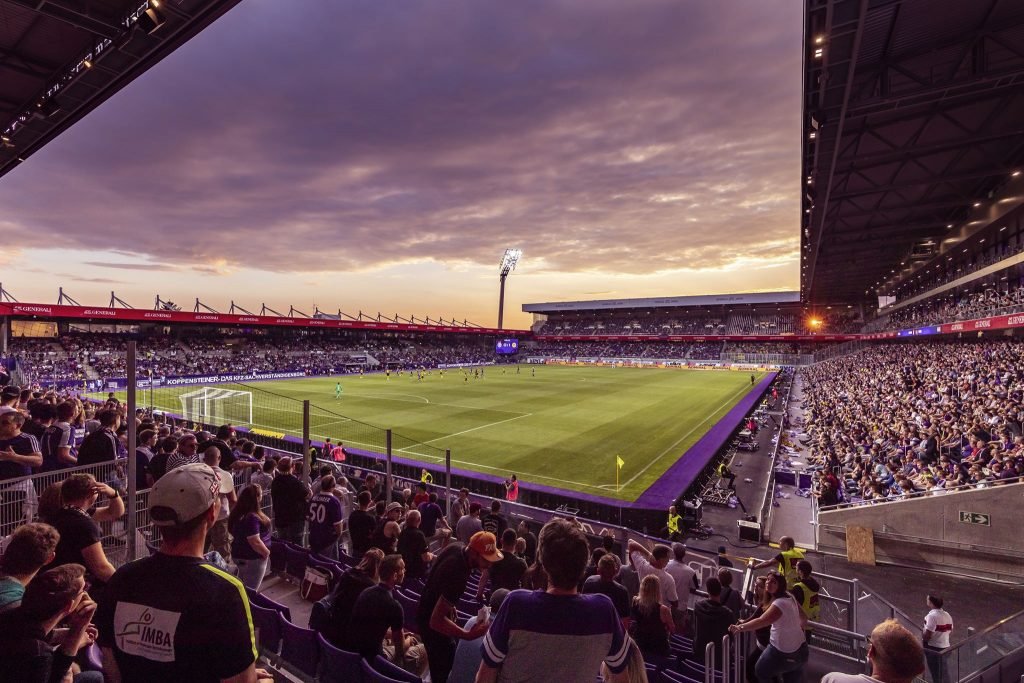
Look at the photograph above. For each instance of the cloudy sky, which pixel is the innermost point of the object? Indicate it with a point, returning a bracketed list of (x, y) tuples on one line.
[(382, 155)]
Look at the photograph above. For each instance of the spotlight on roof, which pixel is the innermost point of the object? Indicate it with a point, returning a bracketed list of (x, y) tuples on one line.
[(1015, 174), (47, 108), (977, 204), (151, 20)]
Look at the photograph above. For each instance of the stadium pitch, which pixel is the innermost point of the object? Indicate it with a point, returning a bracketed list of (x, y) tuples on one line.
[(554, 425)]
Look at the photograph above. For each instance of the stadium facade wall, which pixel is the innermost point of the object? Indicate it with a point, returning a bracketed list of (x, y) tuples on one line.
[(929, 531)]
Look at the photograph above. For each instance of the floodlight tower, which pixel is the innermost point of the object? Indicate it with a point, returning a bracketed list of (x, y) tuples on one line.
[(507, 265)]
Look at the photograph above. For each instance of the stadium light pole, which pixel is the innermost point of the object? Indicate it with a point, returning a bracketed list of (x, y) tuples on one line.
[(507, 265)]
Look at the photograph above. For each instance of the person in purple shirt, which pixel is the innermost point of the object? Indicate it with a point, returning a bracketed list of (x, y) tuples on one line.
[(558, 634), (250, 531), (432, 514), (325, 517)]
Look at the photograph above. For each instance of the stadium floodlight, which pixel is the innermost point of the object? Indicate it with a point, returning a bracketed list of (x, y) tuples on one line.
[(508, 263)]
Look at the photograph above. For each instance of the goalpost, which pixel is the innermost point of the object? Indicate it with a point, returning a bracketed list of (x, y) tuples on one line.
[(211, 405)]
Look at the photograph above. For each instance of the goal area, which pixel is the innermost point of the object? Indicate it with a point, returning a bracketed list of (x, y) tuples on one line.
[(211, 405)]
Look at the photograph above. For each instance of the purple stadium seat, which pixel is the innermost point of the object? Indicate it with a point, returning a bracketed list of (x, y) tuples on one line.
[(296, 559), (338, 666), (90, 658), (299, 647), (669, 676), (383, 666), (371, 675), (409, 606), (261, 600), (268, 630)]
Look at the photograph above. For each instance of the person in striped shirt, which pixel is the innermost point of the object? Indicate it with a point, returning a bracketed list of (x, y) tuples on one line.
[(558, 634)]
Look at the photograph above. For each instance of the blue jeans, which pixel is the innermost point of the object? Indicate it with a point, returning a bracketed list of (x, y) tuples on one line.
[(251, 572), (789, 665)]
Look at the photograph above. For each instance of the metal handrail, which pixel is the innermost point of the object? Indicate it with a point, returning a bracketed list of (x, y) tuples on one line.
[(769, 492), (922, 494), (953, 544), (969, 640)]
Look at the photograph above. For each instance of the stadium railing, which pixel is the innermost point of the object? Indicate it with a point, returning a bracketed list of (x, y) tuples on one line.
[(765, 514), (21, 499), (918, 494)]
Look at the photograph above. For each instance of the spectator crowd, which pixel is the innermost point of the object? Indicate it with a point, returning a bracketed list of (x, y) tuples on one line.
[(900, 418)]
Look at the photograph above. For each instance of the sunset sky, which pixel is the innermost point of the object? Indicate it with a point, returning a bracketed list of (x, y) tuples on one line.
[(380, 156)]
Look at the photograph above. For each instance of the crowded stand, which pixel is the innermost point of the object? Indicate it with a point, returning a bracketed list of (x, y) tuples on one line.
[(688, 323), (893, 420), (397, 587), (656, 350), (964, 306), (78, 357), (82, 356)]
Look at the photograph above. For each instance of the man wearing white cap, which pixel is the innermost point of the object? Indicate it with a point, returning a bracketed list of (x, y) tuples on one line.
[(172, 616)]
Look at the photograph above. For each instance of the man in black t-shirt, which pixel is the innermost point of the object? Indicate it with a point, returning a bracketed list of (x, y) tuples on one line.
[(376, 611), (227, 456), (101, 445), (289, 496), (158, 465), (361, 524), (507, 572), (172, 616), (412, 544), (436, 613), (604, 583), (494, 521)]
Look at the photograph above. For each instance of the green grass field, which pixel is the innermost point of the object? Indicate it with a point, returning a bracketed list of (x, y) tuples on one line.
[(562, 427)]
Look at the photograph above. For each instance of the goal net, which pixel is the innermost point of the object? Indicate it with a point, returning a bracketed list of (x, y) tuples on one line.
[(217, 406)]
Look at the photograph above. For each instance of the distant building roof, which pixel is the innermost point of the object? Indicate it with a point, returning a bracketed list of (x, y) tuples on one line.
[(667, 302)]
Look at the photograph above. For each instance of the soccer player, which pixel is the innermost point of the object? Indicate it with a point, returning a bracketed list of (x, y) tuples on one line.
[(337, 391), (387, 375)]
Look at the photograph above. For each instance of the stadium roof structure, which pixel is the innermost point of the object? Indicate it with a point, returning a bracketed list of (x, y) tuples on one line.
[(60, 59), (756, 298), (913, 136)]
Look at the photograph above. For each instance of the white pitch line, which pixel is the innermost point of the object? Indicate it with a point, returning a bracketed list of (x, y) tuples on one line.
[(386, 397), (732, 399), (489, 424), (381, 397)]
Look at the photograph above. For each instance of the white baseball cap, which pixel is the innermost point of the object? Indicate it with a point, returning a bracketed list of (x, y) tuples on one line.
[(183, 494)]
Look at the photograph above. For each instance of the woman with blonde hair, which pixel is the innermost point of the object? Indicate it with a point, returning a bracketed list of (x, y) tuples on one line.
[(635, 671), (652, 621)]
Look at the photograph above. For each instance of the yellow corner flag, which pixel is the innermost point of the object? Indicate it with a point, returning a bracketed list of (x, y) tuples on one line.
[(619, 461)]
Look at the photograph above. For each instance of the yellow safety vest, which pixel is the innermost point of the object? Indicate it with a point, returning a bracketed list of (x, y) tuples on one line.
[(809, 605), (427, 478), (673, 523), (788, 566), (721, 469)]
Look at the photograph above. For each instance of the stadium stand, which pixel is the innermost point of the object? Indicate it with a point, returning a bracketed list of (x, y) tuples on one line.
[(893, 420)]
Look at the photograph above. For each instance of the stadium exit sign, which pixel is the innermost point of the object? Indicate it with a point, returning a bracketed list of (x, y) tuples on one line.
[(975, 518)]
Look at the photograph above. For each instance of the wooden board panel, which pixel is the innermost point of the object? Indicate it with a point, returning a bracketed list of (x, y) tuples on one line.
[(860, 545)]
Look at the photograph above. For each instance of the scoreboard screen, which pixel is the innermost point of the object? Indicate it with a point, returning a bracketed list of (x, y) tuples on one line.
[(506, 346)]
